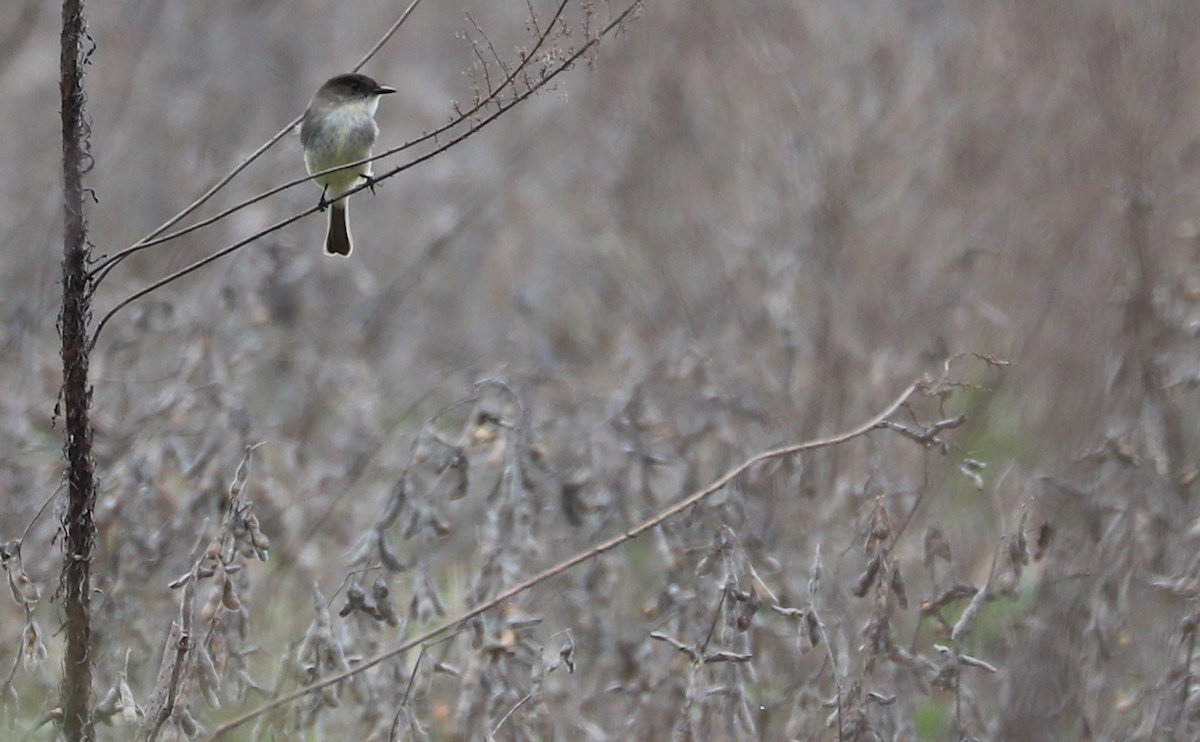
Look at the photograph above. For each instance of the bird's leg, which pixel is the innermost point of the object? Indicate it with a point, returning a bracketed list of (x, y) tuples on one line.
[(369, 177), (323, 203)]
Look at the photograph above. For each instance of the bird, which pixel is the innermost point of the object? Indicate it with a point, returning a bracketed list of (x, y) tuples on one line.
[(338, 128)]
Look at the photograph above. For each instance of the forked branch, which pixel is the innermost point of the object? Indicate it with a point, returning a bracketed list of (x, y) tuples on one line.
[(498, 107)]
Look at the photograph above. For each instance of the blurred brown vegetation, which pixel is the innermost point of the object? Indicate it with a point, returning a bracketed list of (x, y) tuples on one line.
[(747, 224)]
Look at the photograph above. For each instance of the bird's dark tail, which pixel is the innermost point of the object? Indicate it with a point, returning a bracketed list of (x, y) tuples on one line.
[(337, 242)]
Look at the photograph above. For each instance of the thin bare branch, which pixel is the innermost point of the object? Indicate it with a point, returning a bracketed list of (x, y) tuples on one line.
[(106, 265), (154, 239), (503, 108), (605, 546)]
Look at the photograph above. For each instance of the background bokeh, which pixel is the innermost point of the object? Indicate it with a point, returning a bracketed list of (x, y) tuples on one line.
[(737, 225)]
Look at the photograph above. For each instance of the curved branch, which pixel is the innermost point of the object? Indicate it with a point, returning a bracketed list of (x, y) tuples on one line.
[(478, 126), (191, 269), (583, 556), (153, 239), (106, 265)]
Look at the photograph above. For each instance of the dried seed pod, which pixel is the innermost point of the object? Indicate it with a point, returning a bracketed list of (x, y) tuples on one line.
[(241, 475), (814, 576), (566, 656), (229, 597), (208, 677), (385, 610), (810, 632), (748, 605), (898, 587), (187, 724), (867, 578), (1044, 538), (881, 526), (24, 590), (33, 650), (129, 707), (881, 529), (1018, 553), (947, 677), (461, 478), (935, 546), (805, 642), (814, 627), (388, 558), (355, 596)]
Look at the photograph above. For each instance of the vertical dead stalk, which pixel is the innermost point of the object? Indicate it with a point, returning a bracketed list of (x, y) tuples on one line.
[(79, 525)]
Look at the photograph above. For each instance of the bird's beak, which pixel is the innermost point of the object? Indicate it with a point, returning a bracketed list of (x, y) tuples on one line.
[(384, 90)]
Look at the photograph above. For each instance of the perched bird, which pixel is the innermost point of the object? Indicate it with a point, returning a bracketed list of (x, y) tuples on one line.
[(339, 128)]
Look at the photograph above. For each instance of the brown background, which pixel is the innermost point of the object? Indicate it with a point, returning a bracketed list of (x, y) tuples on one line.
[(746, 224)]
